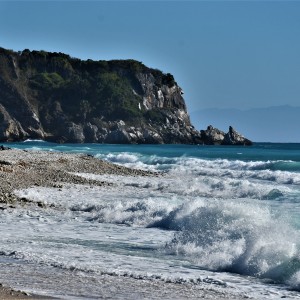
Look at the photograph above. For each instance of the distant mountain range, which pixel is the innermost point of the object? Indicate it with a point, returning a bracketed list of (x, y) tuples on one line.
[(270, 124)]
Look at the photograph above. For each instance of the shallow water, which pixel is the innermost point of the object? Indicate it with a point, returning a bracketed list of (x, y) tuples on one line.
[(225, 218)]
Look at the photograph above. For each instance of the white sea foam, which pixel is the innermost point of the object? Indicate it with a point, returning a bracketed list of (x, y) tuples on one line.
[(137, 161), (122, 158), (241, 237), (34, 140), (216, 215), (214, 233), (200, 186), (235, 169), (220, 168)]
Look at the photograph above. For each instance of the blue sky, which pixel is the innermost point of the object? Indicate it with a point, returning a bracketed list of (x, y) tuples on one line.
[(224, 54)]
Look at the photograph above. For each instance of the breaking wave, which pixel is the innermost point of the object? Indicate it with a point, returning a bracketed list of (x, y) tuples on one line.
[(238, 237), (220, 214)]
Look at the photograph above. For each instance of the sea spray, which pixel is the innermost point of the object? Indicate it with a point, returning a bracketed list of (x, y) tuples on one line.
[(214, 212), (242, 236), (234, 236)]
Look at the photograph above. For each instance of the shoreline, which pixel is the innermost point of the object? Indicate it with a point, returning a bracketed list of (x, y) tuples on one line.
[(21, 169)]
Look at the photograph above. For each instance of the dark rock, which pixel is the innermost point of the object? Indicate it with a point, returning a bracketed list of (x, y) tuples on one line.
[(74, 133), (212, 136), (152, 137), (4, 148), (232, 137), (6, 163), (118, 136), (90, 133)]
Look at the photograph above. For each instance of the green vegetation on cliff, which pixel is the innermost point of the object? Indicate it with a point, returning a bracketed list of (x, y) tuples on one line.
[(60, 92), (87, 89)]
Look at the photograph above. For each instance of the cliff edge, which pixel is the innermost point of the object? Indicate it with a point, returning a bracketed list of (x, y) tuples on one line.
[(55, 97)]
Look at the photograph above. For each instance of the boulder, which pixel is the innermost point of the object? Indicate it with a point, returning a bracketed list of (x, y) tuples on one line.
[(74, 133), (118, 136), (232, 137), (90, 133), (2, 148), (212, 136), (151, 137)]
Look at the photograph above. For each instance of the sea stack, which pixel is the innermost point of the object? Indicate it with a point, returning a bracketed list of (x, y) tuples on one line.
[(214, 136)]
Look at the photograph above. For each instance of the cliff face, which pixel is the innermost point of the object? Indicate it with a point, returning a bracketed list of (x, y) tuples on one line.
[(54, 97)]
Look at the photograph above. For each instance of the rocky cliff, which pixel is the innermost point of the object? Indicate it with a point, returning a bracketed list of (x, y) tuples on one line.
[(54, 97)]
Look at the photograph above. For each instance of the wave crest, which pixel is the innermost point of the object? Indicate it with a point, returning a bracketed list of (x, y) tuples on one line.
[(237, 237)]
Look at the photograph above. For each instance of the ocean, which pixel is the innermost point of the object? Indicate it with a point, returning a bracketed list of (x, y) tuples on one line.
[(226, 218)]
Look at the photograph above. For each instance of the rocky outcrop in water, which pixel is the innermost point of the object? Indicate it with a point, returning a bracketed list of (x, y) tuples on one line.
[(232, 137), (214, 136), (54, 97)]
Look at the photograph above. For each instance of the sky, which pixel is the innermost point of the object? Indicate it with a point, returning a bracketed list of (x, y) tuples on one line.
[(224, 54)]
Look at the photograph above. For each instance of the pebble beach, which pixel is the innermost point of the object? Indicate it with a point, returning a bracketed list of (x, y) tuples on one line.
[(148, 222), (21, 169)]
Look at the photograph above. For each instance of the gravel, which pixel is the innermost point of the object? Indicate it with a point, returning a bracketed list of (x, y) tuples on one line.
[(20, 169)]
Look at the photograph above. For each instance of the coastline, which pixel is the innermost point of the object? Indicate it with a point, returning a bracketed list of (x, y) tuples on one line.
[(20, 169)]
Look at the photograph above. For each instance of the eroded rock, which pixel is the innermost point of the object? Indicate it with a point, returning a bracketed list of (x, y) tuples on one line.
[(57, 98)]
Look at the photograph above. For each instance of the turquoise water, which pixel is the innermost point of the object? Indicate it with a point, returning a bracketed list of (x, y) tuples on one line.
[(289, 154), (227, 213)]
